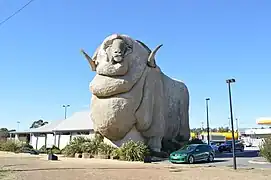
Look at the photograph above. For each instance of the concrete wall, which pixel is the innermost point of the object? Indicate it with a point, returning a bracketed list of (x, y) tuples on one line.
[(64, 141)]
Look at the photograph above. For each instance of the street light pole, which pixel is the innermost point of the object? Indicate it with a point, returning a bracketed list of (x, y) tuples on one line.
[(65, 107), (18, 125), (229, 81), (207, 115)]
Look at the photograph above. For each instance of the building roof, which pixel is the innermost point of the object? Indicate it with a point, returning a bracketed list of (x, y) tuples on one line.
[(264, 121), (47, 128), (77, 122)]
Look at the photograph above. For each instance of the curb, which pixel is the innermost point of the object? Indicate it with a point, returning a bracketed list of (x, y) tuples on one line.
[(258, 162)]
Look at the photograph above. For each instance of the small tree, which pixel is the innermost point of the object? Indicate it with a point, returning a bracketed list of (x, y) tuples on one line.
[(265, 149)]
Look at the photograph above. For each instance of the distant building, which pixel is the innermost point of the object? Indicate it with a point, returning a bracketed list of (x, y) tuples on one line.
[(58, 133), (255, 136)]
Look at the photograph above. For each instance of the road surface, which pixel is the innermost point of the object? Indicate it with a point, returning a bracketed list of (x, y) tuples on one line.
[(225, 159)]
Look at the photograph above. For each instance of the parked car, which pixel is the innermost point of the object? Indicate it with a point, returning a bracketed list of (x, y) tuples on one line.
[(227, 146), (193, 153), (247, 143), (214, 146)]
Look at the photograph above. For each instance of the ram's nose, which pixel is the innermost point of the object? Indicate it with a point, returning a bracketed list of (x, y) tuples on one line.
[(118, 55)]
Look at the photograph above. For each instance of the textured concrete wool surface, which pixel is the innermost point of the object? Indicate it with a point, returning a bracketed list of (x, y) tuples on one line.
[(133, 99)]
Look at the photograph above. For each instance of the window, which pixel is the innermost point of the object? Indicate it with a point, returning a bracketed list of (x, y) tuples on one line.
[(204, 148), (83, 133)]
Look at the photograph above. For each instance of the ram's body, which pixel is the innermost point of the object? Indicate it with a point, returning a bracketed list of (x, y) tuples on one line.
[(131, 92)]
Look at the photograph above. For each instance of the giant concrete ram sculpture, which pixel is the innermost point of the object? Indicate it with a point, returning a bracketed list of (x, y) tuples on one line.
[(133, 98)]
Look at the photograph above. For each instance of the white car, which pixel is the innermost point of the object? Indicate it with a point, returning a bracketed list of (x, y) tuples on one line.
[(247, 144)]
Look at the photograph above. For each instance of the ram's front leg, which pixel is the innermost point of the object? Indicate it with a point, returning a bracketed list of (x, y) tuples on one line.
[(155, 143), (156, 131)]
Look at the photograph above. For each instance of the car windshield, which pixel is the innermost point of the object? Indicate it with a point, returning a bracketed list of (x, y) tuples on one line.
[(189, 147)]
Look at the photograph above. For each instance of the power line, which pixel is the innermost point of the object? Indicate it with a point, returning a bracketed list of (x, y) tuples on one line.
[(16, 12)]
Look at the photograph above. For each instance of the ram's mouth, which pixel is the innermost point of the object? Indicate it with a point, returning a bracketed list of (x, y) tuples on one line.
[(117, 59), (113, 68)]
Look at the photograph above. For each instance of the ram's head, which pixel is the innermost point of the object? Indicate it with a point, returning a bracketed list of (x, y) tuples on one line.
[(119, 53)]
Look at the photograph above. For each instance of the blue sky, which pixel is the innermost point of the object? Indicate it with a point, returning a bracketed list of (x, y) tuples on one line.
[(205, 42)]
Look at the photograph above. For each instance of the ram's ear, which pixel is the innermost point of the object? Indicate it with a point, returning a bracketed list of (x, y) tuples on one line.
[(90, 61), (151, 60)]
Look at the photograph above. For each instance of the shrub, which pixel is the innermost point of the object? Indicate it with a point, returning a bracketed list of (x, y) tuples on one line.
[(265, 149), (88, 147), (24, 148), (115, 154), (75, 146), (54, 150), (96, 143), (43, 149), (68, 151), (10, 145), (133, 151), (105, 149), (98, 137)]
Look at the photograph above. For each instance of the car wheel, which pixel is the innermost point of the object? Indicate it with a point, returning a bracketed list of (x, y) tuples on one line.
[(191, 159), (210, 158)]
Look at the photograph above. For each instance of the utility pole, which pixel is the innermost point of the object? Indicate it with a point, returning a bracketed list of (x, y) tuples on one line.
[(229, 81)]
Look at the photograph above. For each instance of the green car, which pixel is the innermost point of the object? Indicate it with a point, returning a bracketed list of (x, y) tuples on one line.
[(193, 153)]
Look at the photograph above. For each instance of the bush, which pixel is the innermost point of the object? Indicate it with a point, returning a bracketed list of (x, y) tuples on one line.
[(133, 151), (75, 146), (54, 150), (115, 154), (68, 151), (43, 150), (88, 147), (105, 149), (24, 148), (10, 145), (265, 149), (15, 146)]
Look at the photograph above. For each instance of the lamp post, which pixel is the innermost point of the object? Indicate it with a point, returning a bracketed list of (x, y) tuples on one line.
[(229, 81), (207, 119), (65, 107), (18, 125)]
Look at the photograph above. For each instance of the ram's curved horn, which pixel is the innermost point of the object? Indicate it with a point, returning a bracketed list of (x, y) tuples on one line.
[(90, 61), (151, 59)]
